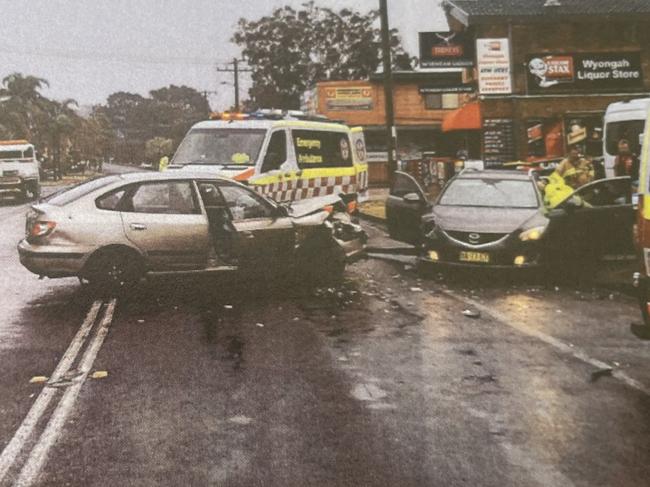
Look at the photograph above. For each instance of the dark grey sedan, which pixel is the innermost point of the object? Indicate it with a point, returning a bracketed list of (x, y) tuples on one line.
[(498, 218)]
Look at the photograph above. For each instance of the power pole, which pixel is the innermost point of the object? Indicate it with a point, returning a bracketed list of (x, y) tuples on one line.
[(235, 70), (391, 131)]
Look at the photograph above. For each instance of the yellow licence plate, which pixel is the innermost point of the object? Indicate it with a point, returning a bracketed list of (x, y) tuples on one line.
[(480, 257)]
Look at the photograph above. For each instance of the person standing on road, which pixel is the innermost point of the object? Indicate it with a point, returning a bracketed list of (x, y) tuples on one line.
[(575, 169), (164, 162), (626, 162)]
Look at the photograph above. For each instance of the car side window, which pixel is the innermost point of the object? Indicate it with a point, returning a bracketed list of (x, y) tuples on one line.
[(605, 193), (170, 197), (111, 200), (244, 205), (211, 196), (276, 152)]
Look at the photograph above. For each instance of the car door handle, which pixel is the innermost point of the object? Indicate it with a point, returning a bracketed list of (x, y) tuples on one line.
[(247, 235), (138, 226)]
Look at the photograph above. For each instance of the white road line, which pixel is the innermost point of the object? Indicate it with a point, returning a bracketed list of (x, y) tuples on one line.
[(563, 347), (38, 455), (24, 431)]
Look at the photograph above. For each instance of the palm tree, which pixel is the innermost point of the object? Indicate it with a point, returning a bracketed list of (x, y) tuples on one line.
[(21, 103)]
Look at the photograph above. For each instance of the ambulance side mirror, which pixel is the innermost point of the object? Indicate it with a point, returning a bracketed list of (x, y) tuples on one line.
[(286, 167)]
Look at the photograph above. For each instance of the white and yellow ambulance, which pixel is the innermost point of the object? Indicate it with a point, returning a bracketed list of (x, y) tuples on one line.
[(283, 155)]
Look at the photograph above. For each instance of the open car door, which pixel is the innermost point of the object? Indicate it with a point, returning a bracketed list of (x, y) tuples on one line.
[(405, 205), (596, 219)]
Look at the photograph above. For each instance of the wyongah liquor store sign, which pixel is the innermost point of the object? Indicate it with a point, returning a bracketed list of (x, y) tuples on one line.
[(585, 72)]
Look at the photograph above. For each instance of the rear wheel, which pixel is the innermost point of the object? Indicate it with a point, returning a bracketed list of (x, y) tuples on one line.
[(113, 271)]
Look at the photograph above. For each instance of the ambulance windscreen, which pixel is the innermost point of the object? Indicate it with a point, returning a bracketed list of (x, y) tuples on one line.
[(226, 147)]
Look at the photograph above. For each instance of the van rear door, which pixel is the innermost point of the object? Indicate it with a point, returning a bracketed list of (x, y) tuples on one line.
[(360, 157)]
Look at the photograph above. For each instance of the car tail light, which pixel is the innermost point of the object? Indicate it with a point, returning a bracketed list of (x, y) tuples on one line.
[(329, 208), (41, 229), (352, 207)]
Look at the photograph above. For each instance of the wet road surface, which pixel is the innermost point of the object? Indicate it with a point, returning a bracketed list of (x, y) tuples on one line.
[(380, 382)]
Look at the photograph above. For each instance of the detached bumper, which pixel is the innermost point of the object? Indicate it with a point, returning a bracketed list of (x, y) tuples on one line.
[(48, 261)]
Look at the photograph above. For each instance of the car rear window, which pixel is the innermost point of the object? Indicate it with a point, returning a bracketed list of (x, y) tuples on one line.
[(69, 195), (316, 149), (495, 193)]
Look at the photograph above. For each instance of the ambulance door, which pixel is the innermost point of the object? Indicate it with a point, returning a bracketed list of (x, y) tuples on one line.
[(278, 171), (360, 156)]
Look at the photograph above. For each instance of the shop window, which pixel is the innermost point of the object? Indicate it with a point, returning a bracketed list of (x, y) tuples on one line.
[(433, 101), (544, 138), (450, 101), (587, 130), (441, 101)]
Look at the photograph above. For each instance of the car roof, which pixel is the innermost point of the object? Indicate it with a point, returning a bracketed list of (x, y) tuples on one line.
[(495, 174), (139, 176)]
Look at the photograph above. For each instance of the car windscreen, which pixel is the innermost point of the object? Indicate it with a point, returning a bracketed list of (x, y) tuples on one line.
[(229, 147), (69, 195), (495, 193)]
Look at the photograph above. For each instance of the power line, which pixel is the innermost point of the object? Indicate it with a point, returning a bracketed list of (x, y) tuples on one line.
[(101, 56)]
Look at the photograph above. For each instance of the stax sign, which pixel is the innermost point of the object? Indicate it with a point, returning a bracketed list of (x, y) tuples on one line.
[(595, 72)]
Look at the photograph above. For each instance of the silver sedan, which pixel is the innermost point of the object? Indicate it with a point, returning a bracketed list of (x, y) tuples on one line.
[(116, 229)]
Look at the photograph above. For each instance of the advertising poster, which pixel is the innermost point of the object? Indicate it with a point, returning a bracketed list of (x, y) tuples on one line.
[(493, 63), (349, 98)]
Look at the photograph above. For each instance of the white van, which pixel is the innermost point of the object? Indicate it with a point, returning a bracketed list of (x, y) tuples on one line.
[(623, 120), (19, 170)]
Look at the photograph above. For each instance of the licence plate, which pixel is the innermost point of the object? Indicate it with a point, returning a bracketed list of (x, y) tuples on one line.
[(480, 257)]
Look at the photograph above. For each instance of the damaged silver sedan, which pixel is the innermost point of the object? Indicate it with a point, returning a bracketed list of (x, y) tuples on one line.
[(114, 230)]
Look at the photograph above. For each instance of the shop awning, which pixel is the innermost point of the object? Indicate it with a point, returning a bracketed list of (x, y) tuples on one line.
[(467, 117)]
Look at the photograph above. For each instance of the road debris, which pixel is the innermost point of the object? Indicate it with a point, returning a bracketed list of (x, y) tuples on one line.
[(261, 325), (471, 313), (228, 306), (601, 373), (241, 420), (416, 289), (99, 374), (38, 379)]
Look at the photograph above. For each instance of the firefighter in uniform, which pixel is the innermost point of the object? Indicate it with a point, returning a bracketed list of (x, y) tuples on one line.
[(575, 169)]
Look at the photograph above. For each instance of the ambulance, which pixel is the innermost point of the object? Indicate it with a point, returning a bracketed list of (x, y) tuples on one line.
[(286, 156), (642, 233)]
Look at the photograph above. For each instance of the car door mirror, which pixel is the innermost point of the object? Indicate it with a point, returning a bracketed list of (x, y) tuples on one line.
[(412, 198)]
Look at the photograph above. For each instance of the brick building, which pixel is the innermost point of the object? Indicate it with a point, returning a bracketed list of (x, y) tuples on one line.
[(547, 69), (421, 99)]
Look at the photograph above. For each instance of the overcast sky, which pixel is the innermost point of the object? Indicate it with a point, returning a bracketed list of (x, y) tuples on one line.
[(88, 49)]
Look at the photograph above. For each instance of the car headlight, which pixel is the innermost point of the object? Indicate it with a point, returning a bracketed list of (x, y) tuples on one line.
[(531, 234)]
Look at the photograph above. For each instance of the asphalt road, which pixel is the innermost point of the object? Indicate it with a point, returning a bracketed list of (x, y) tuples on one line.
[(381, 382)]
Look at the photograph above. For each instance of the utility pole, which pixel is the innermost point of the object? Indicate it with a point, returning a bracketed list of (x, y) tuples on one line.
[(391, 131), (235, 70)]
